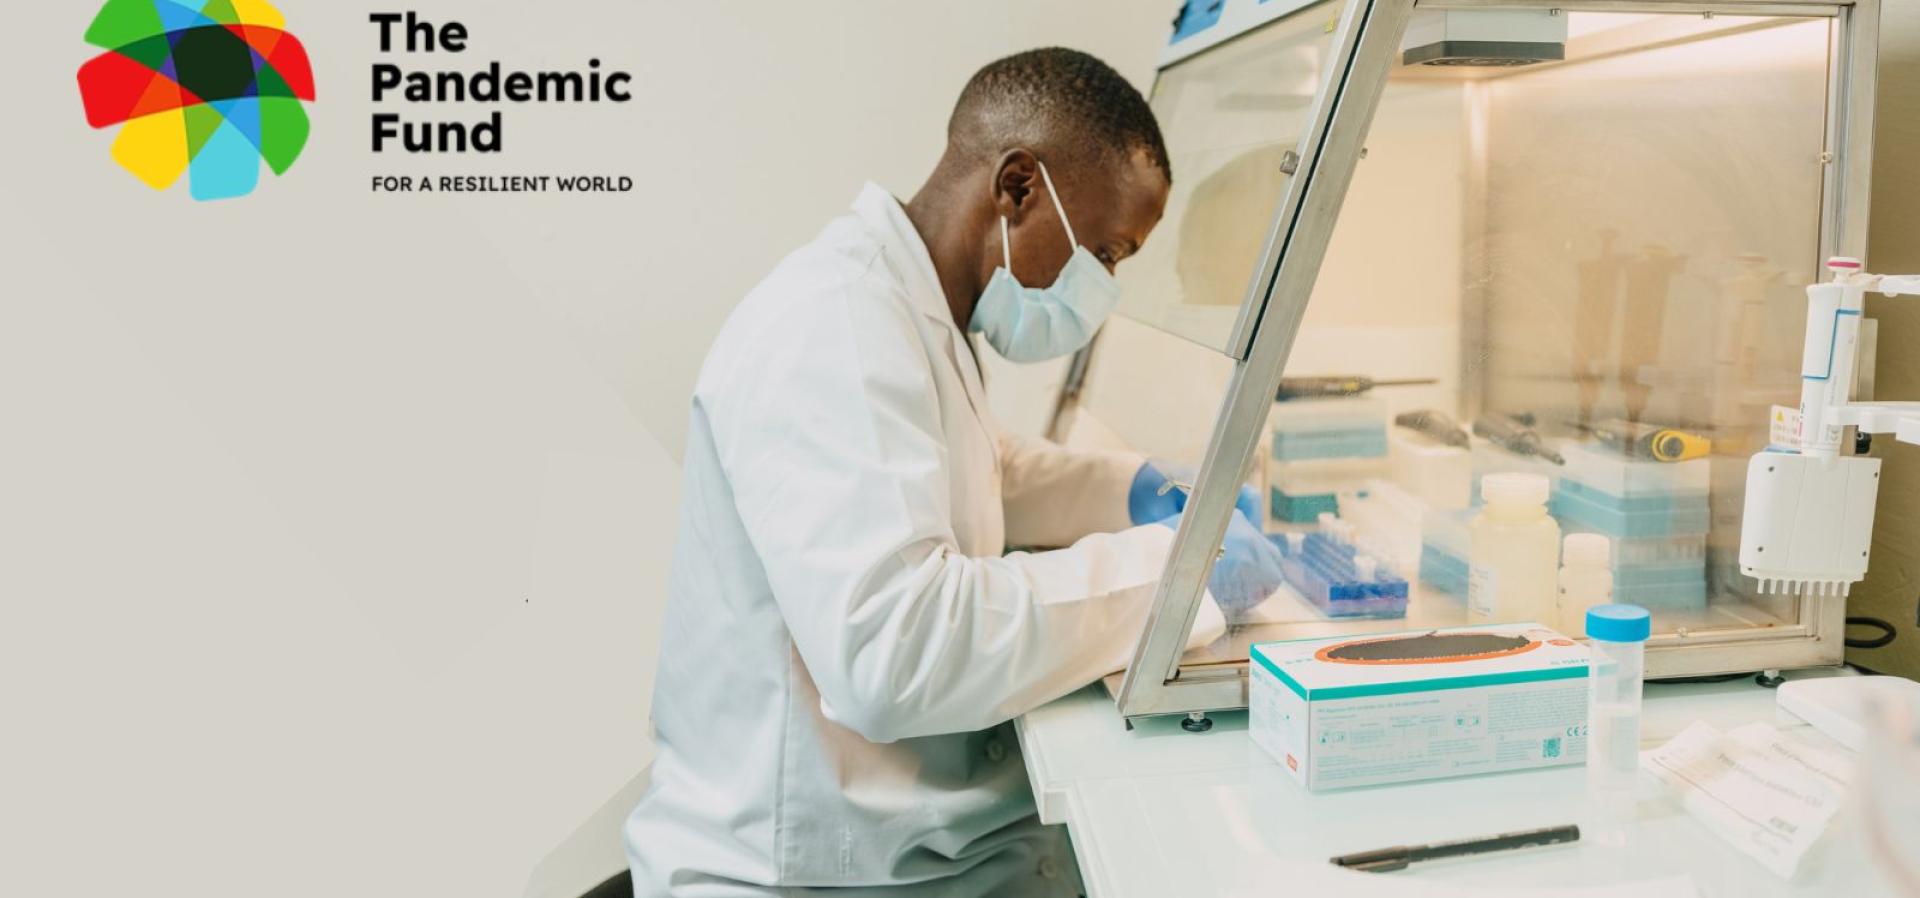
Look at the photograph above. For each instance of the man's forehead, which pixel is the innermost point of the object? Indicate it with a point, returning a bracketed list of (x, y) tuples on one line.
[(1141, 186), (1133, 178), (1141, 164)]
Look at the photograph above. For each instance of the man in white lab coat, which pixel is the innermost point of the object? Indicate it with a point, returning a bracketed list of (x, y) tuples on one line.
[(847, 636)]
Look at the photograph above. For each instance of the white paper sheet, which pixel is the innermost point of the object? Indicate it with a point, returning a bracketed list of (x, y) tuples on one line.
[(1325, 879), (1765, 794)]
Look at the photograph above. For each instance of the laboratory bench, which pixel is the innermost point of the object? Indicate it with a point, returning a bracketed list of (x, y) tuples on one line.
[(1157, 810)]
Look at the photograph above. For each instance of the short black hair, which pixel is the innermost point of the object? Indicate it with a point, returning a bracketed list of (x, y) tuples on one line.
[(1059, 100)]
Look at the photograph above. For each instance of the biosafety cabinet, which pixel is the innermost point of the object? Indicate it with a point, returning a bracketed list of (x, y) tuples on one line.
[(1580, 228)]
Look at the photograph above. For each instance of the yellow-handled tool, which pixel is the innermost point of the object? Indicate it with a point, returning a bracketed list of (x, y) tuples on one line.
[(1652, 441)]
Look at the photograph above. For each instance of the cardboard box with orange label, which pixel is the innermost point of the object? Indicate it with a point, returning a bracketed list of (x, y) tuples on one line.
[(1395, 707)]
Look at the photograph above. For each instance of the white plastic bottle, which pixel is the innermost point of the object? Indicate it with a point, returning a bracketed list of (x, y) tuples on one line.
[(1514, 554), (1586, 579)]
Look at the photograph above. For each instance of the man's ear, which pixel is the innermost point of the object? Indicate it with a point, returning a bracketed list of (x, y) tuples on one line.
[(1014, 178)]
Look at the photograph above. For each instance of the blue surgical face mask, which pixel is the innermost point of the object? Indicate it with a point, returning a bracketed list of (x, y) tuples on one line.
[(1032, 324)]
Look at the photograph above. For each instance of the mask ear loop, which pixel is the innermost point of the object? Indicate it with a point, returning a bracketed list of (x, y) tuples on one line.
[(1006, 248), (1055, 196)]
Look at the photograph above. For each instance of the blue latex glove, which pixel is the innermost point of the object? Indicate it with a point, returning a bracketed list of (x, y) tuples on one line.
[(1155, 497), (1248, 573)]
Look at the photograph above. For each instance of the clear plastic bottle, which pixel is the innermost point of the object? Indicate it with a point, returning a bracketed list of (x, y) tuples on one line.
[(1617, 638), (1514, 554), (1586, 579)]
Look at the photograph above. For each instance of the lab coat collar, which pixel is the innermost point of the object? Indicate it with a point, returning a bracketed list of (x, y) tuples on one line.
[(907, 254), (887, 220)]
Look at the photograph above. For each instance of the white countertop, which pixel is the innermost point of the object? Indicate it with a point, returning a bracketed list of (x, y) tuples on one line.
[(1160, 811)]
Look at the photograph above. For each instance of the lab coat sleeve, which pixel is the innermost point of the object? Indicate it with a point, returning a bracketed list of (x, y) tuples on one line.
[(1054, 495), (828, 427)]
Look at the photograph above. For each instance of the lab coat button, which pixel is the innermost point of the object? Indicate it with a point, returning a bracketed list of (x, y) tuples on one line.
[(995, 751), (1049, 869)]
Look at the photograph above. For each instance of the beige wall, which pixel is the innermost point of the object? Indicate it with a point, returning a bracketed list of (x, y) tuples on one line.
[(333, 527), (1892, 587)]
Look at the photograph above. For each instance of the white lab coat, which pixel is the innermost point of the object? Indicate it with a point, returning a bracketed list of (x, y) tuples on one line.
[(845, 640)]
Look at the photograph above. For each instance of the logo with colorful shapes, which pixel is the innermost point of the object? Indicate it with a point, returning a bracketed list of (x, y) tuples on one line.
[(207, 87)]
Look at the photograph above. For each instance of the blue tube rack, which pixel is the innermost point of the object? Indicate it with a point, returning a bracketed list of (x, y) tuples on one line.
[(1323, 571)]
